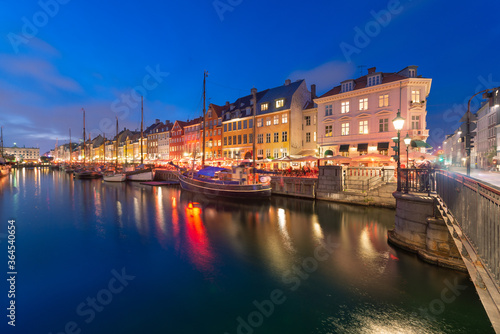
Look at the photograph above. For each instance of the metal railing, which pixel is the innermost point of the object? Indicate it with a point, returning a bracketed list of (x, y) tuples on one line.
[(418, 180), (476, 208)]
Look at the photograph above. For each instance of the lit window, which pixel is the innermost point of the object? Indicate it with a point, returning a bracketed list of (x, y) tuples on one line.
[(345, 129), (345, 107), (383, 125), (328, 110), (363, 104), (284, 118), (259, 122), (328, 130), (276, 120), (264, 106), (314, 136), (268, 121), (280, 103), (415, 96), (276, 153), (363, 127), (383, 100)]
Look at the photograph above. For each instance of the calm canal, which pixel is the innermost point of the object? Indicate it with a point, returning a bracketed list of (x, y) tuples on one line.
[(94, 257)]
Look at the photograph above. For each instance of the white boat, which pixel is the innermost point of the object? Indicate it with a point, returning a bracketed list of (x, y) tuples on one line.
[(114, 177)]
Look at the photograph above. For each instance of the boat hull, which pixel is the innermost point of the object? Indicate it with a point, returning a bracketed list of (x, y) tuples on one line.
[(141, 176), (225, 190), (87, 175), (115, 178)]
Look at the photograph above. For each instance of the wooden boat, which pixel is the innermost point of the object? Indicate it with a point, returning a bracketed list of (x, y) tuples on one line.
[(141, 175), (203, 182), (114, 177), (87, 174)]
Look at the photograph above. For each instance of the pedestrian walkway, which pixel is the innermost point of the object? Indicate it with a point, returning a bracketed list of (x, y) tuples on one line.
[(485, 176)]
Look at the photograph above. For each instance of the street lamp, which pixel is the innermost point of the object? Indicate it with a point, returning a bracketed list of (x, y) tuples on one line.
[(398, 123)]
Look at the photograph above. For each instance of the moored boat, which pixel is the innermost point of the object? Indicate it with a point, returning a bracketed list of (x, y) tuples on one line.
[(114, 177), (87, 174), (141, 175)]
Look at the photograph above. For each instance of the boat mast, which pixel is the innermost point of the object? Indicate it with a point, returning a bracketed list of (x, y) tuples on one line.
[(116, 146), (70, 145), (205, 74), (1, 138), (142, 116), (83, 137), (104, 143), (254, 139), (56, 151)]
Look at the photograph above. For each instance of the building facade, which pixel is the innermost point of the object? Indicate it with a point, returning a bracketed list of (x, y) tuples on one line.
[(27, 154), (355, 118)]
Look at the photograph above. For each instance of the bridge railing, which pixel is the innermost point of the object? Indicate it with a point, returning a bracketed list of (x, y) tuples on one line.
[(418, 180), (476, 207)]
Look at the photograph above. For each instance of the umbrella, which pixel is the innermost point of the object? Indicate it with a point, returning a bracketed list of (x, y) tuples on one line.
[(285, 159), (307, 158)]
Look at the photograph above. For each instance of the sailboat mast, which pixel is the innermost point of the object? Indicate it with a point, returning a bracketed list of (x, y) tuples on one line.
[(1, 138), (104, 143), (116, 146), (204, 120), (70, 145), (83, 136), (254, 139), (142, 117)]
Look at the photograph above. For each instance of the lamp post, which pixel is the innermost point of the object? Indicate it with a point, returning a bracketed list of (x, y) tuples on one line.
[(398, 123), (407, 141)]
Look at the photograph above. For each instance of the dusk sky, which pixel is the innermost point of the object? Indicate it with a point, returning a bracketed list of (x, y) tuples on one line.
[(97, 54)]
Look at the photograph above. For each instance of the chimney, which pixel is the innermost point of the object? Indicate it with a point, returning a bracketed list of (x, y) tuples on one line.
[(253, 91), (313, 91), (371, 70), (287, 82), (227, 104), (157, 121)]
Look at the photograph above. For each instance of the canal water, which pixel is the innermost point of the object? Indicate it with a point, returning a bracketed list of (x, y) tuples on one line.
[(93, 257)]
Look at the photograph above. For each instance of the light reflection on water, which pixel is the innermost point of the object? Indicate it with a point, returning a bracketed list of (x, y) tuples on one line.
[(212, 259)]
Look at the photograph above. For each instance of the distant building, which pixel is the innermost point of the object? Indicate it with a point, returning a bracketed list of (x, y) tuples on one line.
[(177, 140), (355, 118), (310, 126), (27, 154)]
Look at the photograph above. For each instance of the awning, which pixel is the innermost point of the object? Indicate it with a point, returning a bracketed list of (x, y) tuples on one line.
[(419, 143), (362, 147), (344, 148), (382, 146), (328, 153)]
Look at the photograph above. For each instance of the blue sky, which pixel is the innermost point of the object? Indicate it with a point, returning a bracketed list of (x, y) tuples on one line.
[(97, 54)]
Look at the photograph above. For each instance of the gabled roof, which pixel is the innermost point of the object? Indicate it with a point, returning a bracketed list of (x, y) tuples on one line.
[(182, 124), (282, 92), (361, 83)]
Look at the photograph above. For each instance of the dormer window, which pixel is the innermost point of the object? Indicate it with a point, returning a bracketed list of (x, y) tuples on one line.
[(264, 106), (347, 86), (280, 103), (373, 80), (209, 114), (412, 73)]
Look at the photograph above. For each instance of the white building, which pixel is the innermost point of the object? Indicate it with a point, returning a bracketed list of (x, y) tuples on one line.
[(355, 118), (28, 154)]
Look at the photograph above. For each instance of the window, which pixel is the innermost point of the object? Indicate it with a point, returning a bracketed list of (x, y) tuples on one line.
[(308, 137), (268, 153), (276, 153), (239, 125), (209, 114), (415, 96), (259, 122), (268, 137), (383, 125), (415, 122), (264, 106), (363, 127), (308, 120), (250, 138), (374, 80), (229, 140), (276, 119), (284, 152), (284, 136), (268, 121), (411, 73), (276, 137), (218, 132), (383, 100), (280, 103), (344, 107), (363, 104), (250, 123), (260, 138), (284, 118), (314, 136), (239, 139), (345, 129), (260, 152), (328, 110), (328, 130), (244, 124), (346, 87), (229, 126), (234, 140), (219, 143)]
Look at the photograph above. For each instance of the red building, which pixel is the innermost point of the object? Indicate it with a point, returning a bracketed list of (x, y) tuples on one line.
[(177, 140)]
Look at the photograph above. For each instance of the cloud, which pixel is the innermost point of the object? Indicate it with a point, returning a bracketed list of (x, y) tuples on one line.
[(39, 70), (326, 76)]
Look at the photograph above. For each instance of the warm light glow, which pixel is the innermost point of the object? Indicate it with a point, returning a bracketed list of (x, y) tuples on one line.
[(407, 140), (398, 122)]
